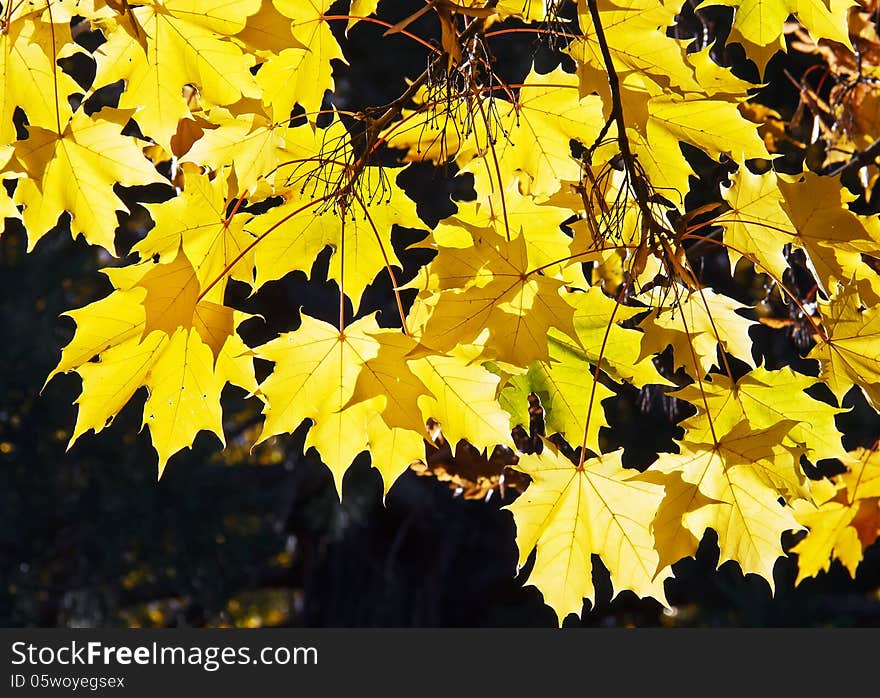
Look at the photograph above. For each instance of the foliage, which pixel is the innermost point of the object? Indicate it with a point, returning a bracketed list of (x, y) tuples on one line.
[(574, 275)]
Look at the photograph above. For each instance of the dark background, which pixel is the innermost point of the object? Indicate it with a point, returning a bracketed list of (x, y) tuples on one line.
[(90, 538)]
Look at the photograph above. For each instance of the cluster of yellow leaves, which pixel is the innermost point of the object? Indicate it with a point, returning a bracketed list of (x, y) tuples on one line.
[(842, 114), (844, 518), (758, 25), (543, 285)]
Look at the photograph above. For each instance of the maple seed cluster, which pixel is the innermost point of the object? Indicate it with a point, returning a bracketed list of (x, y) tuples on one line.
[(557, 286)]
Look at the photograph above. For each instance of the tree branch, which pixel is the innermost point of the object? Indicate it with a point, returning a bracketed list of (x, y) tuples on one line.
[(859, 160), (637, 183)]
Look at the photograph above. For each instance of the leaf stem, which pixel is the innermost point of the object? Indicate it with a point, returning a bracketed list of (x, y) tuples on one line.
[(617, 303), (388, 266), (698, 373), (342, 213), (491, 144), (383, 23)]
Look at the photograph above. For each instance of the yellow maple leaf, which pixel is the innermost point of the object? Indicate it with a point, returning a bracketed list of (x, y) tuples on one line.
[(668, 96), (572, 400), (30, 80), (461, 396), (526, 10), (172, 295), (491, 288), (512, 213), (532, 146), (756, 224), (740, 472), (673, 539), (109, 383), (758, 24), (267, 32), (8, 209), (388, 376), (103, 324), (316, 371), (171, 300), (329, 378), (76, 171), (832, 235), (196, 221), (184, 45), (862, 476), (392, 450), (301, 75), (571, 513), (847, 352), (764, 398), (153, 332), (604, 341), (184, 394), (713, 125), (694, 326), (247, 143), (360, 236), (340, 436), (635, 32), (360, 8)]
